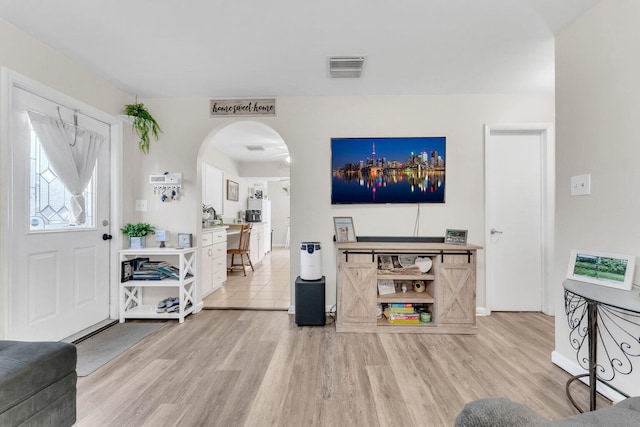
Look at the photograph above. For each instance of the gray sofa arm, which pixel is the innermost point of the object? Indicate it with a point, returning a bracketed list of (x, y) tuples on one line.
[(498, 412)]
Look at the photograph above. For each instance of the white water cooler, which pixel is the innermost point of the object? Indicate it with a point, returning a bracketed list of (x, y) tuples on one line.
[(310, 261)]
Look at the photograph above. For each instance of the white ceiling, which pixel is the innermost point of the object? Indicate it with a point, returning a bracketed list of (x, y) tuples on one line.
[(257, 48), (235, 140), (250, 48)]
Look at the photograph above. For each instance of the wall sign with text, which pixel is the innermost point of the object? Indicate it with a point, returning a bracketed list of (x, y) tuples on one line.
[(242, 107)]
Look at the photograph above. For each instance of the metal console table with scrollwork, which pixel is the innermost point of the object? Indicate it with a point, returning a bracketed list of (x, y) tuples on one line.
[(602, 318)]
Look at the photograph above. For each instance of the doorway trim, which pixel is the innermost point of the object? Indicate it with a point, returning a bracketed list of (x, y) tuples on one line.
[(207, 143), (546, 133), (9, 80)]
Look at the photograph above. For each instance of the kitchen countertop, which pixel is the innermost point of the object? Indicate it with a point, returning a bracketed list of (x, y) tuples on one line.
[(214, 227)]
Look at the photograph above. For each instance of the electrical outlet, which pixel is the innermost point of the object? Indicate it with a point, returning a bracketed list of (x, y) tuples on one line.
[(581, 185), (141, 205)]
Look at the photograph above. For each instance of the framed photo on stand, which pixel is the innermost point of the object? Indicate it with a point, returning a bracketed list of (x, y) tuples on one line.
[(456, 237), (601, 268), (345, 232), (185, 240), (126, 270)]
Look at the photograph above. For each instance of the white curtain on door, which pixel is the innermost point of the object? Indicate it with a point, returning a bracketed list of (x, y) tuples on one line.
[(72, 153)]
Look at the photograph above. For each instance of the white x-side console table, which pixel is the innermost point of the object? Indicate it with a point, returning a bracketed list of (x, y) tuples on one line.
[(131, 291)]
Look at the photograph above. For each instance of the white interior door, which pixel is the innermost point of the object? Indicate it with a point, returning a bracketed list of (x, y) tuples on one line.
[(59, 273), (514, 215)]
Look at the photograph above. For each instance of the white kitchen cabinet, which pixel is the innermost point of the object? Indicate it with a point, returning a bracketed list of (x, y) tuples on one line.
[(213, 256), (219, 259), (257, 242), (205, 278)]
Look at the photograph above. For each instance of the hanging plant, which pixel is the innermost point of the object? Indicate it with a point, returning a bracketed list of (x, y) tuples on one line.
[(143, 123)]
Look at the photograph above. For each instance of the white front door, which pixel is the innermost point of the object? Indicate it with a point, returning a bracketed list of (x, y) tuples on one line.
[(59, 279), (515, 203)]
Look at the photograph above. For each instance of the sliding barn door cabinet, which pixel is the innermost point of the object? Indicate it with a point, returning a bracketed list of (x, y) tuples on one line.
[(378, 277)]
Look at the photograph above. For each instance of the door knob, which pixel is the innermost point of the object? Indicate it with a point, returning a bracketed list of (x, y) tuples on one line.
[(106, 236), (494, 231)]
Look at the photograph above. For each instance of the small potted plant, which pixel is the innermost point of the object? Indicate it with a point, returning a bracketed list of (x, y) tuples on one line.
[(137, 234), (143, 123)]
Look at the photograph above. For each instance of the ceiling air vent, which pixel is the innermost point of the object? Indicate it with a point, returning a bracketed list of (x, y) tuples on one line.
[(255, 147), (345, 66)]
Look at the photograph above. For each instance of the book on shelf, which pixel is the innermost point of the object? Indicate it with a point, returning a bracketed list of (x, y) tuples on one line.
[(148, 275), (413, 316), (409, 317), (172, 272), (401, 310), (402, 319), (400, 304), (138, 261), (152, 265)]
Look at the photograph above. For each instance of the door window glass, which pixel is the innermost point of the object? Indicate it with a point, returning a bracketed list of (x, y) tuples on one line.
[(49, 198)]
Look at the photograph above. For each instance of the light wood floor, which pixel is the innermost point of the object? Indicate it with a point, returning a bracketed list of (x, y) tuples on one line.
[(258, 368), (266, 288)]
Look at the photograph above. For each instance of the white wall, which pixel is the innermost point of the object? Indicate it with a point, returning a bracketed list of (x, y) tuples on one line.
[(307, 125), (598, 108), (33, 59), (264, 169)]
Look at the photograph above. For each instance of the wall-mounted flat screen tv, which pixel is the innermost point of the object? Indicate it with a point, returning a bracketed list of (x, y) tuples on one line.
[(388, 170)]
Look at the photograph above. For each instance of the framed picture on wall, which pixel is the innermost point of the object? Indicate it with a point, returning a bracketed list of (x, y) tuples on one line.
[(233, 191), (344, 229)]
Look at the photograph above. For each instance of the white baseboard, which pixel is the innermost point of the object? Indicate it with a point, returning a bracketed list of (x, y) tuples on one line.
[(199, 307), (327, 309), (482, 311), (574, 369)]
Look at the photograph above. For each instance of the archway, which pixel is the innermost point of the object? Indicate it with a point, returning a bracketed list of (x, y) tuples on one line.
[(254, 156)]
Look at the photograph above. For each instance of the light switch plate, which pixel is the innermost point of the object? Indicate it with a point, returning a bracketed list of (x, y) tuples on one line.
[(581, 185), (141, 205)]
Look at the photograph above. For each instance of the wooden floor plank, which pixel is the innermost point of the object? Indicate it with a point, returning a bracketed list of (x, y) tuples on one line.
[(253, 368), (391, 405)]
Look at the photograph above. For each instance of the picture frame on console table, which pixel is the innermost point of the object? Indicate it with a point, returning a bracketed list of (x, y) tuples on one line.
[(601, 268), (185, 240), (456, 237), (345, 232)]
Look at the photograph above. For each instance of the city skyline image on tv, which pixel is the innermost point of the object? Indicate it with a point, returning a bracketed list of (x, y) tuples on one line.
[(388, 170)]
